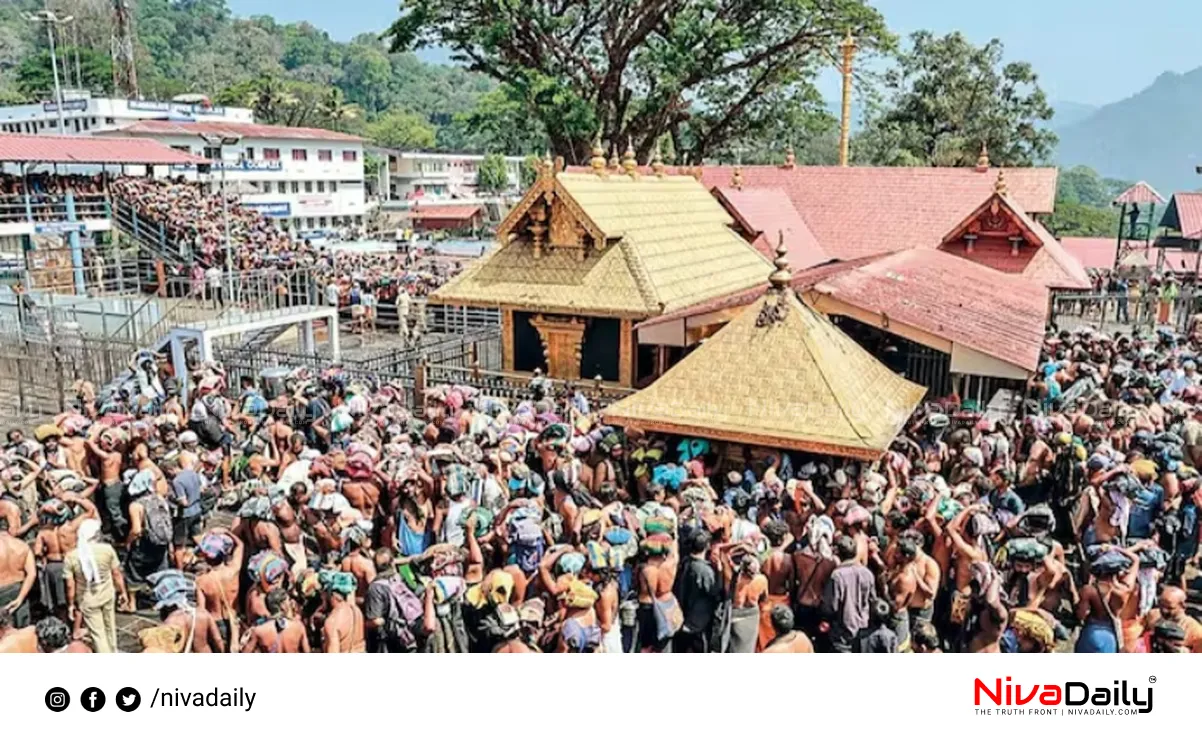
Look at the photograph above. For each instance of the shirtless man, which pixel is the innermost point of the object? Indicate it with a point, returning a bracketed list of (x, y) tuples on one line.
[(749, 600), (196, 623), (992, 616), (357, 562), (787, 639), (1171, 607), (18, 573), (56, 537), (217, 589), (291, 536), (967, 548), (110, 481), (10, 513), (655, 579), (363, 494), (780, 571), (76, 452), (13, 640), (278, 633), (343, 628), (812, 565)]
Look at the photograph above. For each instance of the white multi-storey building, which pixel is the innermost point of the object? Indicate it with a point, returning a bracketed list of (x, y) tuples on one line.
[(306, 179), (432, 177), (84, 114)]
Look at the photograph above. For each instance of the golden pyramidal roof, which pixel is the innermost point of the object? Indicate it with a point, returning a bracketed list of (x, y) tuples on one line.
[(644, 246), (780, 375)]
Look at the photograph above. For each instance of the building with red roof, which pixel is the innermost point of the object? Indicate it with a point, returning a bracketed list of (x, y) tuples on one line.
[(1184, 217), (447, 216)]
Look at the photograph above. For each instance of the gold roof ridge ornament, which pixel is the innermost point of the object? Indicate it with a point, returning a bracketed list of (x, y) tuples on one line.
[(614, 163), (776, 306), (657, 161), (548, 169), (790, 157), (597, 161), (983, 158), (1000, 188), (736, 178), (629, 165)]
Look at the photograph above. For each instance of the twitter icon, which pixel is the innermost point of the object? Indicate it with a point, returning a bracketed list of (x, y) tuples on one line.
[(128, 699)]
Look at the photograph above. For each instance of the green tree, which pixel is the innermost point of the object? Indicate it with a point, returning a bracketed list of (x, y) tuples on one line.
[(35, 77), (401, 130), (494, 174), (945, 97), (500, 123), (529, 171), (705, 71), (1083, 220)]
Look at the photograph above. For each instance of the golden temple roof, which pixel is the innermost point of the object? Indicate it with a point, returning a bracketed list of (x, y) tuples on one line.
[(651, 244), (781, 375)]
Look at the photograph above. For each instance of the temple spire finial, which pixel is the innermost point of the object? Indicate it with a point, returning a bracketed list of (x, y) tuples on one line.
[(597, 161), (629, 164), (983, 158), (657, 161), (1000, 188), (790, 158), (736, 178), (782, 276)]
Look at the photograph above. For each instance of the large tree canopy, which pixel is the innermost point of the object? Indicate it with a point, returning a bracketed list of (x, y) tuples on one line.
[(945, 97), (706, 72)]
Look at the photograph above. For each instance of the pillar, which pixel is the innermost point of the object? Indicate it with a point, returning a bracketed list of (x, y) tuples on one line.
[(76, 250), (308, 339), (179, 362), (335, 345), (626, 353), (507, 339)]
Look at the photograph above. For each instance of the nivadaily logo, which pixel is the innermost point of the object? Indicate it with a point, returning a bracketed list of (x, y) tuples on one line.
[(1070, 697)]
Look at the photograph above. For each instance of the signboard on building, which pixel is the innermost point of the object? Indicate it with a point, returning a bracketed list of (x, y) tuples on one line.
[(316, 202), (80, 105), (240, 166), (278, 209), (58, 228)]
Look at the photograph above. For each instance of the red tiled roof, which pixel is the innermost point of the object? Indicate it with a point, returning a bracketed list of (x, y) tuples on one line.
[(1140, 193), (1091, 252), (223, 128), (999, 315), (446, 211), (19, 148), (1188, 210), (855, 212), (769, 212), (1052, 265)]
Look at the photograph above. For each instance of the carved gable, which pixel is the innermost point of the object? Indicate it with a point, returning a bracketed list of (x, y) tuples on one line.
[(548, 219)]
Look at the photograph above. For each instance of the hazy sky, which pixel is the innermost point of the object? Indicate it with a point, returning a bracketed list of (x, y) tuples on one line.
[(1087, 51)]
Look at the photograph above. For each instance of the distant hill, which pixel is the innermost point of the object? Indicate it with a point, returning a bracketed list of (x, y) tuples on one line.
[(1070, 112), (1155, 135)]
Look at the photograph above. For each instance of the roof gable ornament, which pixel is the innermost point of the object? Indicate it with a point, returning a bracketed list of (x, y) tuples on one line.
[(790, 158), (736, 178), (1000, 188)]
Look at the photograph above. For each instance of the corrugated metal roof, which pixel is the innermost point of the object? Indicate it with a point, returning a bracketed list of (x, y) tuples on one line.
[(222, 128), (1185, 215), (446, 211), (20, 148), (769, 212), (1092, 252)]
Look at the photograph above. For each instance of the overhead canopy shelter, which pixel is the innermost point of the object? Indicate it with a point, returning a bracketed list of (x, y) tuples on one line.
[(779, 375), (19, 148)]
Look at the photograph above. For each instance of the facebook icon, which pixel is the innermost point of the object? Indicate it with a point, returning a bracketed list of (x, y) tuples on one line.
[(92, 699)]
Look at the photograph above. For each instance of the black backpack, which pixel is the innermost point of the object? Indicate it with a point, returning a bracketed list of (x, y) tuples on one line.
[(158, 520)]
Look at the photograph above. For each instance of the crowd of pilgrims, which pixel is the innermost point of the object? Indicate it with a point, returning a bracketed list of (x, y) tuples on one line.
[(318, 513)]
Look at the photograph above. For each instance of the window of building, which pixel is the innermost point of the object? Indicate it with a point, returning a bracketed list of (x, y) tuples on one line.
[(93, 121), (75, 122), (250, 153), (109, 120), (308, 186), (254, 184), (300, 155), (321, 187), (350, 156), (321, 222), (325, 156), (296, 187), (358, 219), (309, 222), (87, 126), (296, 222), (181, 148), (333, 186), (213, 153), (271, 153)]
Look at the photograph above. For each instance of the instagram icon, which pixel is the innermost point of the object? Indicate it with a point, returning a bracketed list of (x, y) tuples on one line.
[(57, 699)]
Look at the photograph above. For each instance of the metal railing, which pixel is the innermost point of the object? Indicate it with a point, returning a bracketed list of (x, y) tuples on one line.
[(514, 387), (1111, 312), (46, 208)]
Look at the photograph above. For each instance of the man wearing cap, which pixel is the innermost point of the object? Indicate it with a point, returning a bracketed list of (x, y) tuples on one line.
[(1147, 500), (343, 631), (1171, 608)]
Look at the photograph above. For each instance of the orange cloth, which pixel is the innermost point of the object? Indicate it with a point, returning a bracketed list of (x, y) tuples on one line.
[(767, 633)]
